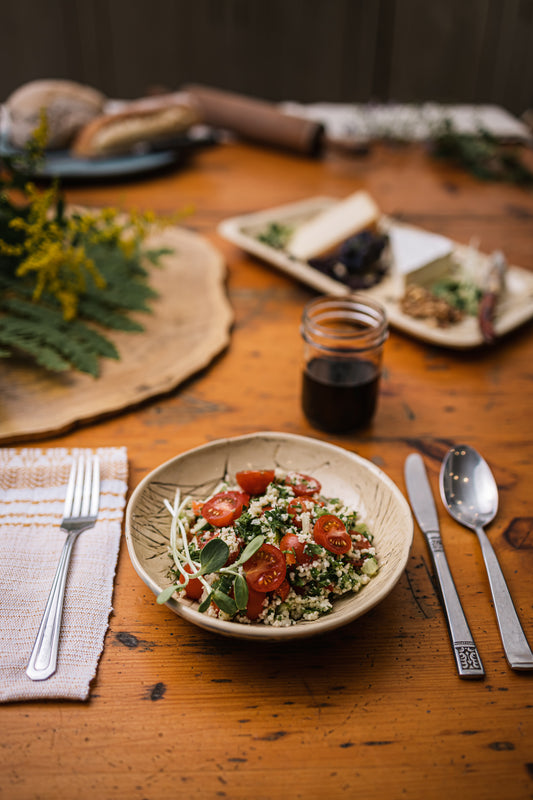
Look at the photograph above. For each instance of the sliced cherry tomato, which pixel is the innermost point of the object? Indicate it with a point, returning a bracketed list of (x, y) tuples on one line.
[(298, 505), (293, 550), (255, 481), (330, 532), (266, 569), (283, 590), (204, 538), (362, 542), (194, 588), (224, 508), (303, 485), (255, 603)]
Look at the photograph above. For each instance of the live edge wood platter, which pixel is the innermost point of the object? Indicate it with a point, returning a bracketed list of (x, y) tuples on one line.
[(189, 326)]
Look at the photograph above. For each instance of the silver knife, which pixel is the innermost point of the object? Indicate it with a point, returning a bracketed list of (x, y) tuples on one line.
[(465, 651)]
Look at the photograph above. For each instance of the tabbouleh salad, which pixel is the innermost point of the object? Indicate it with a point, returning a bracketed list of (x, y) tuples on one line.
[(269, 548)]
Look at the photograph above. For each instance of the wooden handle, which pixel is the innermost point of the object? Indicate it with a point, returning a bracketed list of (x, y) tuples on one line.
[(256, 120)]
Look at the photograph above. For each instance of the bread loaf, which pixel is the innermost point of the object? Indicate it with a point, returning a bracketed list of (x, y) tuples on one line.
[(68, 106), (337, 223), (118, 133)]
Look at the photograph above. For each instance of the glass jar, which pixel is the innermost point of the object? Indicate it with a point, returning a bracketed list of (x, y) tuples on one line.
[(343, 347)]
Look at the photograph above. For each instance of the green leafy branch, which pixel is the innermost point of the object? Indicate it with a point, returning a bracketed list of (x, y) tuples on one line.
[(65, 278), (481, 154)]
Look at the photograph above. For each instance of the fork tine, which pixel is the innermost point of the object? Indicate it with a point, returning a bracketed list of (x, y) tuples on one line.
[(95, 496), (69, 497), (87, 481), (78, 488)]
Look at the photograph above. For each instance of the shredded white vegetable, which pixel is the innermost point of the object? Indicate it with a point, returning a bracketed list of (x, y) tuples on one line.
[(176, 523)]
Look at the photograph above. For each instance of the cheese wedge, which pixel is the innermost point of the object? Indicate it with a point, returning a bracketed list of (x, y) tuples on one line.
[(419, 256), (329, 228)]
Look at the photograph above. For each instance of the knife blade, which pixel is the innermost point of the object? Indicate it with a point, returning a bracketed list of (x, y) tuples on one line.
[(466, 655), (494, 287)]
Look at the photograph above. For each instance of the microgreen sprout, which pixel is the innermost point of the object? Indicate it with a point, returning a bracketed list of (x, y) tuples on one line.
[(213, 558), (239, 601), (179, 560)]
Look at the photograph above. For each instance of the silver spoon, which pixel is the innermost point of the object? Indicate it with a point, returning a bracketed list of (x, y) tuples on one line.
[(470, 494)]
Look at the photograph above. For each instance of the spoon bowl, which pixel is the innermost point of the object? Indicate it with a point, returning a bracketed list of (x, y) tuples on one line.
[(470, 494), (468, 488)]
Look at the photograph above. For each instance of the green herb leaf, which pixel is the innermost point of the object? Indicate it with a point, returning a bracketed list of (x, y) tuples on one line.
[(213, 556), (275, 235), (225, 603), (204, 605), (249, 550), (240, 590), (246, 527), (276, 520), (166, 594)]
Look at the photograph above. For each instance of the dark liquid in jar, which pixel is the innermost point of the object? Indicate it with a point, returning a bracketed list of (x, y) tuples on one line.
[(339, 395)]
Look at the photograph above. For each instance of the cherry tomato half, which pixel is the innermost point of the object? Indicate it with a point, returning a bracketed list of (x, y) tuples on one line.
[(283, 590), (266, 569), (255, 603), (255, 481), (194, 588), (303, 485), (298, 505), (293, 550), (330, 532), (362, 542), (224, 508)]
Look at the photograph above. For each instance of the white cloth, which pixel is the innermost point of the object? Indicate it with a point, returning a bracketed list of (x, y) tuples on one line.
[(409, 122), (32, 491)]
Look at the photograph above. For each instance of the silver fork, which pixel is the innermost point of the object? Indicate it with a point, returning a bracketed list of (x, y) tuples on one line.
[(80, 513)]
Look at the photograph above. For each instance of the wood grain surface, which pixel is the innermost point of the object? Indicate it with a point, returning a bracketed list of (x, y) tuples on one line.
[(374, 709)]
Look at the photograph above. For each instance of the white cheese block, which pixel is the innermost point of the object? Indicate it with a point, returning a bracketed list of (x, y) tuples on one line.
[(331, 227), (419, 256)]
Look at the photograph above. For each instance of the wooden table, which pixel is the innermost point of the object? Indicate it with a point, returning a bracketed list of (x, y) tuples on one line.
[(372, 710)]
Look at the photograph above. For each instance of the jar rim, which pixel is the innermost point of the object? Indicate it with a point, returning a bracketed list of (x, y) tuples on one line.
[(368, 313)]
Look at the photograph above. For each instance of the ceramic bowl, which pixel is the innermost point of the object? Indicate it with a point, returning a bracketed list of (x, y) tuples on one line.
[(356, 481)]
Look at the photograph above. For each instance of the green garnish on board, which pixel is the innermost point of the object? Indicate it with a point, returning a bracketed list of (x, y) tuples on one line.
[(459, 293), (276, 235), (66, 277)]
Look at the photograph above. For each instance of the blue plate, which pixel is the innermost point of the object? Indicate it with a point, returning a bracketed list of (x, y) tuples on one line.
[(61, 164)]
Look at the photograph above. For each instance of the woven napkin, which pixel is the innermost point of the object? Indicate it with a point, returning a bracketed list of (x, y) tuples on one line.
[(33, 485)]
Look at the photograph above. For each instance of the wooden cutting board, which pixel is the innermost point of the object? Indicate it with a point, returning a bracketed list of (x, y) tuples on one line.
[(189, 326)]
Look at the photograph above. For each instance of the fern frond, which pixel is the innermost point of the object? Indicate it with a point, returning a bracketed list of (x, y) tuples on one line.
[(93, 310), (41, 331), (30, 343), (153, 256), (55, 329), (67, 277)]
